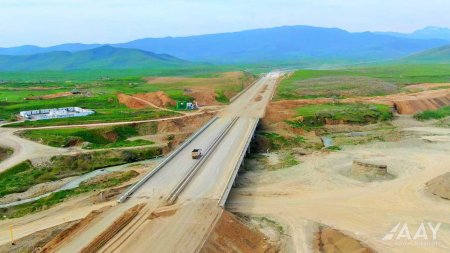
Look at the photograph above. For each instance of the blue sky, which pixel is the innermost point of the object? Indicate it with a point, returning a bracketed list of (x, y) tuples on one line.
[(50, 22)]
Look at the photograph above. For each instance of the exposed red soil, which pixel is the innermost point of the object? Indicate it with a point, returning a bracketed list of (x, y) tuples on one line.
[(158, 99), (203, 96), (71, 231), (426, 86), (231, 235), (279, 111), (427, 100), (187, 124), (50, 96), (131, 102), (112, 230), (329, 240)]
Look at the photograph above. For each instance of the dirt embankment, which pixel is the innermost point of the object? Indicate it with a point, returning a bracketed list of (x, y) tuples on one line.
[(231, 235), (51, 96), (203, 96), (426, 86), (111, 231), (70, 231), (440, 186), (419, 102), (35, 241), (146, 100), (280, 111), (204, 89), (329, 240)]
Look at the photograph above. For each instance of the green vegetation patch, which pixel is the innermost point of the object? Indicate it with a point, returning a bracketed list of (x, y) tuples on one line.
[(5, 153), (311, 116), (363, 81), (100, 93), (58, 197), (434, 114), (106, 137), (23, 176), (335, 87), (107, 109), (277, 141), (287, 160)]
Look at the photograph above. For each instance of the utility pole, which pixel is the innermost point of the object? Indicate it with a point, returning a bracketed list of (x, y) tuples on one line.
[(11, 234)]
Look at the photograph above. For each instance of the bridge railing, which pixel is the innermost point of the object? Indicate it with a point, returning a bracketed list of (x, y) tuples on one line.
[(226, 192), (141, 182)]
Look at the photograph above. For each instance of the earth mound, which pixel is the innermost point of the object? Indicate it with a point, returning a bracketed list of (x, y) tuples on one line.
[(146, 100), (440, 186), (231, 235), (429, 100), (329, 240)]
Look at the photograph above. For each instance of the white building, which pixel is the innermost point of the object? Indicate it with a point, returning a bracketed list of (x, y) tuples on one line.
[(55, 113)]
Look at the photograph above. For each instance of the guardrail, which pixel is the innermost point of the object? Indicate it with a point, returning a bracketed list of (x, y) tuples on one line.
[(192, 171), (137, 185), (245, 89), (224, 195)]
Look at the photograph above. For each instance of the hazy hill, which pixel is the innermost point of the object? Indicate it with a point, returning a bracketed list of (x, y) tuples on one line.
[(105, 57), (437, 55), (27, 49), (285, 43), (297, 44), (430, 32)]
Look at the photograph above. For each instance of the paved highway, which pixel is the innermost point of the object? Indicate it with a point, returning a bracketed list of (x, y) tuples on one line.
[(185, 190)]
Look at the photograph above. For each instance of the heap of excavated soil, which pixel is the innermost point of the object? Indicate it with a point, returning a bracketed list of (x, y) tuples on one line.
[(329, 240), (429, 100), (440, 186), (146, 100), (203, 96), (280, 111), (131, 102), (158, 98), (51, 96), (231, 235)]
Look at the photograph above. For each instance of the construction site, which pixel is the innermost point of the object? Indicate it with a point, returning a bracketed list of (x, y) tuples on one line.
[(238, 178)]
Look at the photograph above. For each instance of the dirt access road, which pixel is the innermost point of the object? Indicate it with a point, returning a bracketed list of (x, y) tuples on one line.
[(23, 149), (197, 204)]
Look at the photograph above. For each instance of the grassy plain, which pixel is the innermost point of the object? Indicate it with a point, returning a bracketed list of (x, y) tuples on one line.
[(362, 81), (317, 115), (95, 138), (99, 92)]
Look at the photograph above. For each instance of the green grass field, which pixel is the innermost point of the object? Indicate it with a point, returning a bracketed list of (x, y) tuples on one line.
[(24, 175), (317, 115), (100, 94), (364, 81), (95, 138), (434, 114), (58, 197)]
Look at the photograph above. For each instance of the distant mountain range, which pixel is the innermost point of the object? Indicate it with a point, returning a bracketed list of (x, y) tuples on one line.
[(104, 57), (303, 45), (430, 32)]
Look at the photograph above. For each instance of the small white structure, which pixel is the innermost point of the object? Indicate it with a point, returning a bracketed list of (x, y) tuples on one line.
[(56, 113)]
